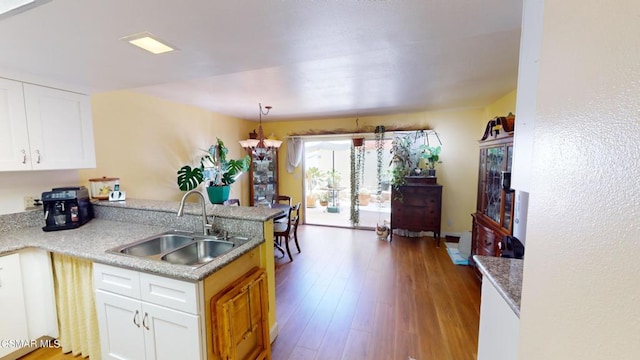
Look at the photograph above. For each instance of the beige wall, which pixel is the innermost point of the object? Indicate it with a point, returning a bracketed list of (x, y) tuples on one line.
[(501, 107), (16, 184), (144, 140), (459, 131), (580, 297)]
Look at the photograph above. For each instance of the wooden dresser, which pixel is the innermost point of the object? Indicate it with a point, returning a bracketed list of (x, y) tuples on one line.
[(416, 206)]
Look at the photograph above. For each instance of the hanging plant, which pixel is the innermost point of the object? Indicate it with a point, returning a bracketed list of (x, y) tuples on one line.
[(379, 133), (357, 171)]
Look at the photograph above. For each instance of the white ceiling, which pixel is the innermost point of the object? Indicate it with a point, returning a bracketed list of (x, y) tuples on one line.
[(305, 58)]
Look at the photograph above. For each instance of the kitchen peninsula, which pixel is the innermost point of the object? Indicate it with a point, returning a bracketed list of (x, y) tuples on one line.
[(116, 224)]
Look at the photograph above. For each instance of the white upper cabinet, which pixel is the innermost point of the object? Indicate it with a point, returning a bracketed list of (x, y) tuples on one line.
[(14, 139), (44, 128)]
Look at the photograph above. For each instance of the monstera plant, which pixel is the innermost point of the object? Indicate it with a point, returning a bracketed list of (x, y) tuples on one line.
[(215, 170)]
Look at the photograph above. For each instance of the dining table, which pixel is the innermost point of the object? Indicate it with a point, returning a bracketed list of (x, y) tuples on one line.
[(285, 210)]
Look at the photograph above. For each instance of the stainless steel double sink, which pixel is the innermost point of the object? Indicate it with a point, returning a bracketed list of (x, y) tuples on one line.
[(180, 247)]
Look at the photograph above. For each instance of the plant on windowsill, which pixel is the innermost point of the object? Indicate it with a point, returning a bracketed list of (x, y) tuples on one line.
[(215, 170)]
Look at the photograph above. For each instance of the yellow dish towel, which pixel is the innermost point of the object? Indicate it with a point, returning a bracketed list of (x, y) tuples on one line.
[(77, 319)]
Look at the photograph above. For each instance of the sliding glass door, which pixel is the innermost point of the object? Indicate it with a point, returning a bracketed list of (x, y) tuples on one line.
[(328, 183)]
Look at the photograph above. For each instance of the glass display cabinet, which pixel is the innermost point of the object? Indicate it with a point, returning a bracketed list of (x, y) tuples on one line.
[(493, 218), (263, 176)]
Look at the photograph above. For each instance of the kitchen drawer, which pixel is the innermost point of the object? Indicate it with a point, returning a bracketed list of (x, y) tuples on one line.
[(172, 293), (116, 280), (155, 289)]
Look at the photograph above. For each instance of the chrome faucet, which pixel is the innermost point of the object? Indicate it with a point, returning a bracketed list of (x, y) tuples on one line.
[(206, 227)]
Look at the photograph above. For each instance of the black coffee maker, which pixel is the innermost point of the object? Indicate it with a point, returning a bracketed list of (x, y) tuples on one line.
[(66, 208)]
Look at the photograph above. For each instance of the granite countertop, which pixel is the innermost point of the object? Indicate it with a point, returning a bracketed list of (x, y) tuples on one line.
[(231, 212), (506, 275), (93, 239)]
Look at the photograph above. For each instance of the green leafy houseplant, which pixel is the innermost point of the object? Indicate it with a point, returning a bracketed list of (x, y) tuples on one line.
[(214, 168), (431, 155), (313, 176)]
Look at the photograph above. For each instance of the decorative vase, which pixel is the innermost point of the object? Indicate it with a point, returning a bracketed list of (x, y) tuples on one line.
[(431, 172), (364, 199), (218, 194), (311, 201)]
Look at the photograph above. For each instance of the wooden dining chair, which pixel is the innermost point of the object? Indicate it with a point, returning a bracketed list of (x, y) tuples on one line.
[(281, 232), (295, 220), (282, 199)]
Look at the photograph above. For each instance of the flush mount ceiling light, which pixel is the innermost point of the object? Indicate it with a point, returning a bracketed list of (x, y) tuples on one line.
[(259, 146), (148, 42), (12, 7)]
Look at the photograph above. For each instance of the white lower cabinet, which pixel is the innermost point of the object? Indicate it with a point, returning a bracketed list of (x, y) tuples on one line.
[(120, 323), (499, 326), (13, 326), (27, 301), (132, 327)]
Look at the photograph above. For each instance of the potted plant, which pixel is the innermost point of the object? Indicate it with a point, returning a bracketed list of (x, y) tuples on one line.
[(364, 196), (313, 175), (324, 198), (402, 159), (216, 171), (333, 179), (431, 155)]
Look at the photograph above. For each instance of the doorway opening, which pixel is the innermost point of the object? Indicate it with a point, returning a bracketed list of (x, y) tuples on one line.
[(327, 168)]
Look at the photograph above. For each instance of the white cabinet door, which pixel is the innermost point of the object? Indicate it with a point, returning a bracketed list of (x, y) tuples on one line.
[(60, 128), (170, 334), (14, 139), (120, 324), (142, 316), (39, 295), (13, 325), (499, 326)]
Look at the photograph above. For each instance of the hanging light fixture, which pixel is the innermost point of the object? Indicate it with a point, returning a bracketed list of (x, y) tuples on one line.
[(260, 146)]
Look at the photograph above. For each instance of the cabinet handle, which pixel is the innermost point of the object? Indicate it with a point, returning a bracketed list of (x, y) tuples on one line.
[(135, 318), (24, 156), (249, 307), (144, 321), (38, 153)]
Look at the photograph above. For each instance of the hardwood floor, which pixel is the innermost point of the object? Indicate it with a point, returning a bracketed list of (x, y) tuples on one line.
[(351, 296)]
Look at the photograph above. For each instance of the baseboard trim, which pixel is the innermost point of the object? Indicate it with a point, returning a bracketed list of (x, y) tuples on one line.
[(273, 332)]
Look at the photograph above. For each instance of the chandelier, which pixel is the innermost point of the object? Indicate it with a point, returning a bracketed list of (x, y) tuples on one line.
[(260, 146)]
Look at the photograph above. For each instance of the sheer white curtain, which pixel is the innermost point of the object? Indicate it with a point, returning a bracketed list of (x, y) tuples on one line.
[(294, 153)]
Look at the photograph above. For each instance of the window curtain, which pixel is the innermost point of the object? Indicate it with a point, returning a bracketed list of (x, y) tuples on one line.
[(294, 153), (77, 318)]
